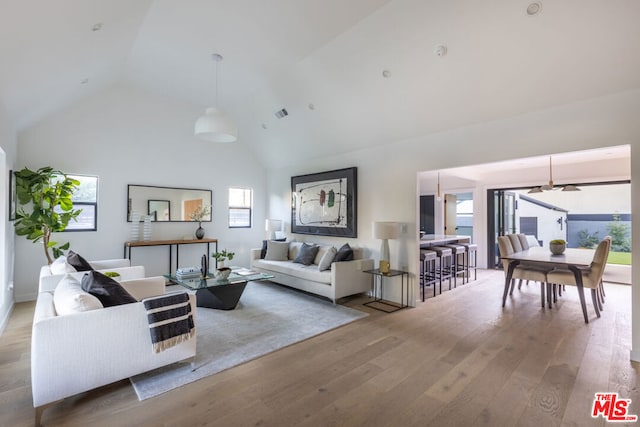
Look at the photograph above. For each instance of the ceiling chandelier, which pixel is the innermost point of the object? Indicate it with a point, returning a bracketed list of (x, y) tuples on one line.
[(550, 186), (215, 125)]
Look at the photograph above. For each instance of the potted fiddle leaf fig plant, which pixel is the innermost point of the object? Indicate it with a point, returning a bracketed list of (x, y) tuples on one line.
[(45, 207)]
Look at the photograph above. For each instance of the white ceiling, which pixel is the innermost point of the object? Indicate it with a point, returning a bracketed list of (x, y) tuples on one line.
[(331, 53)]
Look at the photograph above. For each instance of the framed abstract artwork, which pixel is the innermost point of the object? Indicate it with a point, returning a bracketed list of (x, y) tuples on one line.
[(325, 203)]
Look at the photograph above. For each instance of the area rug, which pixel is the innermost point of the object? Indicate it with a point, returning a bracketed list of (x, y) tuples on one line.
[(268, 317)]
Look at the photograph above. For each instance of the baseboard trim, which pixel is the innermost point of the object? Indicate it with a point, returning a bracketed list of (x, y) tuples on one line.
[(5, 320)]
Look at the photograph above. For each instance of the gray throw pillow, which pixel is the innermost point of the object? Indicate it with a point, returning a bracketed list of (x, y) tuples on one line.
[(345, 253), (277, 251), (307, 254), (78, 262), (327, 259)]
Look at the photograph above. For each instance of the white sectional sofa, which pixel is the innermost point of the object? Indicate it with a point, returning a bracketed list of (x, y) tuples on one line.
[(48, 280), (73, 353), (342, 279)]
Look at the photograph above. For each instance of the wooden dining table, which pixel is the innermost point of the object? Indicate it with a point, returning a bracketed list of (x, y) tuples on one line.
[(572, 259)]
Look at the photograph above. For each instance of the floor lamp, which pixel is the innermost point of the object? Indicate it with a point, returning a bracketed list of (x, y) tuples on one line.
[(385, 231)]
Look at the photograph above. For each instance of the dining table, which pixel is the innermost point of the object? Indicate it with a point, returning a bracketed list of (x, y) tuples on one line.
[(573, 259)]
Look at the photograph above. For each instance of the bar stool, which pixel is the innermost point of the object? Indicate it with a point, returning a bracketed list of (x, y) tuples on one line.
[(445, 264), (472, 260), (459, 261), (428, 271)]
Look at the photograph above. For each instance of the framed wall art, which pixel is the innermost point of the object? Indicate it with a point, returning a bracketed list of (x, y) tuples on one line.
[(325, 203)]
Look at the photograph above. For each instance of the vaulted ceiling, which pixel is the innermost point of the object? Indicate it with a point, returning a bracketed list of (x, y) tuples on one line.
[(322, 60)]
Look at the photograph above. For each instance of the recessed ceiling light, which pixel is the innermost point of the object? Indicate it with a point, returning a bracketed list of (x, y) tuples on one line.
[(311, 106), (386, 74), (264, 126), (84, 81), (440, 50), (97, 27), (534, 8)]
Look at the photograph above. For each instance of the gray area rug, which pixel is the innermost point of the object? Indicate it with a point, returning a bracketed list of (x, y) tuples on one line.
[(268, 317)]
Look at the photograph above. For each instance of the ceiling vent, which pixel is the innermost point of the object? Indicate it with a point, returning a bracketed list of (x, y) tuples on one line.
[(281, 113)]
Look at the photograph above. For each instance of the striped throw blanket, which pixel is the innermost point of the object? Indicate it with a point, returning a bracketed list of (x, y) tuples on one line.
[(170, 320)]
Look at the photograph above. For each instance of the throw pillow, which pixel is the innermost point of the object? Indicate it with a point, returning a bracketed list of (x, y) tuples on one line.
[(107, 290), (263, 251), (77, 262), (327, 259), (277, 251), (61, 266), (345, 253), (69, 298), (307, 254)]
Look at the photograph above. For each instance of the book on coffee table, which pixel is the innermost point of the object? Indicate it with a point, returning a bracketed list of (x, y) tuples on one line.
[(244, 272)]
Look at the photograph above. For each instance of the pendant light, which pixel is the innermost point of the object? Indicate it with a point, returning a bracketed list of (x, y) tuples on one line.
[(215, 125), (549, 186)]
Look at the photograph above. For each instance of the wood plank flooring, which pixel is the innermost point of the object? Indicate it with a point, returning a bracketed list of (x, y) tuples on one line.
[(458, 359)]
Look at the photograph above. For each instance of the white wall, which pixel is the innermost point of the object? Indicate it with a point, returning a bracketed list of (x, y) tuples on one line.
[(7, 159), (126, 136), (387, 176)]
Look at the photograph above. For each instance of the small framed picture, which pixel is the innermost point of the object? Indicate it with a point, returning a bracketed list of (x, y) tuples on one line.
[(13, 198)]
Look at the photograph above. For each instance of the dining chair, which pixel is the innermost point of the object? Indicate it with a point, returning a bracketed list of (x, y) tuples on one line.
[(591, 276), (524, 242), (522, 272)]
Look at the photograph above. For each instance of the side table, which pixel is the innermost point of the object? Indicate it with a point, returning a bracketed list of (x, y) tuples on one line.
[(379, 300)]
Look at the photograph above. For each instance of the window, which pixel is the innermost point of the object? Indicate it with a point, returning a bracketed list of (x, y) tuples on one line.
[(240, 204), (86, 198)]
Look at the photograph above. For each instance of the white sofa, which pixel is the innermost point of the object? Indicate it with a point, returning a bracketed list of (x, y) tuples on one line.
[(77, 352), (48, 281), (343, 279)]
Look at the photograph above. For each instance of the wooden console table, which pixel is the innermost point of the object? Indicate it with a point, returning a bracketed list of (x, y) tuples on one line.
[(171, 244)]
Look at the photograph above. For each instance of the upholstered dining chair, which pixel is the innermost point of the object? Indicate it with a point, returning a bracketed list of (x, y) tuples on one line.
[(522, 272), (591, 276)]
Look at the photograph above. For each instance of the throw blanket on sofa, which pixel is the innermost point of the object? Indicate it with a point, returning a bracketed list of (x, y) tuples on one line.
[(170, 320)]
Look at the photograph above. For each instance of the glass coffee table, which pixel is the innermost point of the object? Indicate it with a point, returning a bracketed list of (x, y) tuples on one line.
[(221, 294)]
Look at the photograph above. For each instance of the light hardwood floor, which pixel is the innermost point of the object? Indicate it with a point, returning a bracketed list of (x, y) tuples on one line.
[(458, 359)]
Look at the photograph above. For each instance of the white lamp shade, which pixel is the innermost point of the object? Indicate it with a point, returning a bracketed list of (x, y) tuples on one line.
[(385, 230), (216, 126), (273, 225)]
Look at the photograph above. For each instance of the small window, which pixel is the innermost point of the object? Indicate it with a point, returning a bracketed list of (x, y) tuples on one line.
[(86, 198), (240, 205)]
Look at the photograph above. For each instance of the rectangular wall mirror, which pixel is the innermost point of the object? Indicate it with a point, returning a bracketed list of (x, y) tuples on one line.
[(167, 204)]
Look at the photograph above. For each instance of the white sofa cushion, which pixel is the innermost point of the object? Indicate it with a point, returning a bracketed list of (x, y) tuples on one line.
[(305, 272), (327, 258), (69, 298), (61, 266)]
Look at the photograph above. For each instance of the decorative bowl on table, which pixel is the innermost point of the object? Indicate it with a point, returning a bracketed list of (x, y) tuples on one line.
[(557, 246), (223, 273)]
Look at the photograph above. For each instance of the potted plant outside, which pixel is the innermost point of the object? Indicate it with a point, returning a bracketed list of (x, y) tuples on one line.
[(557, 246), (46, 207)]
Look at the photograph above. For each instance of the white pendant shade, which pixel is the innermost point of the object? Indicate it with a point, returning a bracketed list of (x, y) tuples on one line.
[(216, 126)]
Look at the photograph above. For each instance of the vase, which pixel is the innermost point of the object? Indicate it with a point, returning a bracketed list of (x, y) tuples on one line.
[(199, 232), (557, 248), (146, 228)]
